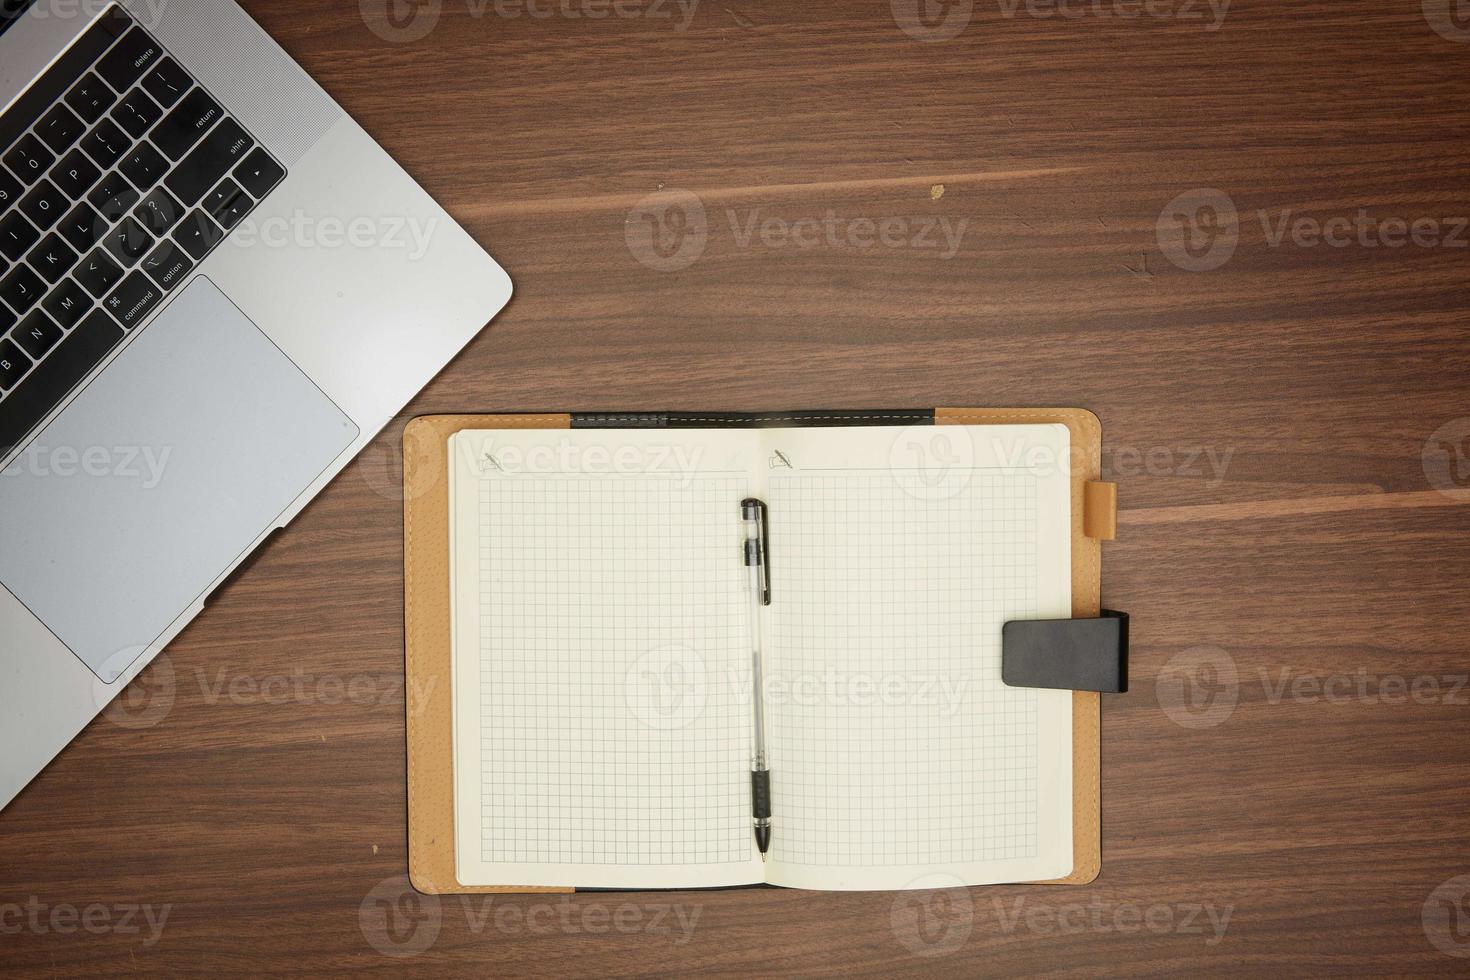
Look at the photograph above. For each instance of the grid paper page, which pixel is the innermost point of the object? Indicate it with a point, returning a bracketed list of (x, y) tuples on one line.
[(613, 734), (895, 745)]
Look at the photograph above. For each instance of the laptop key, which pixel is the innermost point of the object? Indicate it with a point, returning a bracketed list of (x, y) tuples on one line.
[(216, 200), (128, 242), (66, 303), (159, 211), (10, 190), (36, 335), (60, 128), (133, 300), (7, 318), (98, 273), (259, 173), (44, 205), (167, 82), (57, 375), (198, 234), (137, 112), (21, 289), (75, 174), (13, 366), (113, 197), (106, 143), (168, 265), (90, 98), (16, 236), (144, 166), (187, 124), (219, 152), (83, 227), (29, 158), (129, 59), (234, 211), (53, 258)]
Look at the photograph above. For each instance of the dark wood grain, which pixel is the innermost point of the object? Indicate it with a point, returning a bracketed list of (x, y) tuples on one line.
[(1266, 420)]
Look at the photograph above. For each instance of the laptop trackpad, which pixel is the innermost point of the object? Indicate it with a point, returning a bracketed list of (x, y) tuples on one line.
[(165, 470)]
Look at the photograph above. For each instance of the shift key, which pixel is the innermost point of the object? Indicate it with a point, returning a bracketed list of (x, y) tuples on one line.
[(225, 146)]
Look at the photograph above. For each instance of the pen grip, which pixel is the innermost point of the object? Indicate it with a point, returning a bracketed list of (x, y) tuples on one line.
[(760, 793)]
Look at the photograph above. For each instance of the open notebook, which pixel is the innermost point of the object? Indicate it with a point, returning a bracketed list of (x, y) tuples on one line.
[(601, 656)]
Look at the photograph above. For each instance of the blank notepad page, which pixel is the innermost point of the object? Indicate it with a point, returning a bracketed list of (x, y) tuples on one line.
[(609, 731), (897, 751)]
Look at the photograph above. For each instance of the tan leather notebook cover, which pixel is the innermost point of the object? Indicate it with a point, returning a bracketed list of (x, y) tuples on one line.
[(427, 627)]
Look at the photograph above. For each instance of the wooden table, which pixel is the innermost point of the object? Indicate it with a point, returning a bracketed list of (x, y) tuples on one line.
[(1284, 785)]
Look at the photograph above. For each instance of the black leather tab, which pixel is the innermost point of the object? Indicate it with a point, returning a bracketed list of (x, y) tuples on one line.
[(1067, 654)]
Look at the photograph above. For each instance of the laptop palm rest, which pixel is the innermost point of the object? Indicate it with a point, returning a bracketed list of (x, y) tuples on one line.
[(162, 473)]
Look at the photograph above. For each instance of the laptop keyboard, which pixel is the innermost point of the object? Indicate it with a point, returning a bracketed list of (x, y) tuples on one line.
[(118, 175)]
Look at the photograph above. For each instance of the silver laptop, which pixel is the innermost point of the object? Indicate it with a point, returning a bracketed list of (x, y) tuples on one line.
[(215, 288)]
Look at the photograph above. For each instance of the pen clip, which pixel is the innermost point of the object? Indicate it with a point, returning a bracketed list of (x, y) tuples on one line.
[(748, 505)]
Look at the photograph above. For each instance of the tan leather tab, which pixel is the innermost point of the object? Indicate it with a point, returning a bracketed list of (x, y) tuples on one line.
[(431, 860), (1100, 510)]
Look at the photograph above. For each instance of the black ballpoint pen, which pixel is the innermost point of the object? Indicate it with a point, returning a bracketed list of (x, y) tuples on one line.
[(753, 513)]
